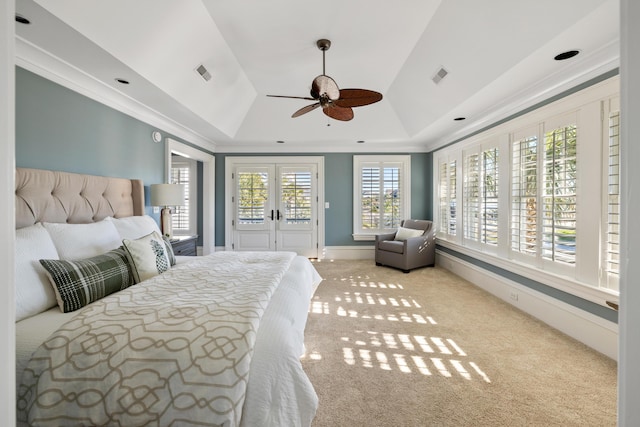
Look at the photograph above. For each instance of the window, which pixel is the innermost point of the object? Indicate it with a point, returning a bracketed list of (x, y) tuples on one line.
[(381, 194), (183, 218), (612, 238), (447, 198), (480, 195), (524, 196), (545, 229), (556, 219), (559, 195)]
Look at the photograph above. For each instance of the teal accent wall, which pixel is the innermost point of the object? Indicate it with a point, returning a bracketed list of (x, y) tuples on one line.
[(338, 189), (59, 129)]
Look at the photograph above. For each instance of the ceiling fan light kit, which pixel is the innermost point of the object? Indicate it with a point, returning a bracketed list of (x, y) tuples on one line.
[(335, 102)]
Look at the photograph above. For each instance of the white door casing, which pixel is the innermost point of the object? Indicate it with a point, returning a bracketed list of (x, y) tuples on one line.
[(275, 204)]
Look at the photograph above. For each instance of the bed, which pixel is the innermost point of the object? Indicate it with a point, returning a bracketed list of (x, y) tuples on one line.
[(112, 329)]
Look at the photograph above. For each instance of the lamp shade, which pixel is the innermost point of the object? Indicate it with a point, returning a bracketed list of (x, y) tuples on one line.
[(167, 194)]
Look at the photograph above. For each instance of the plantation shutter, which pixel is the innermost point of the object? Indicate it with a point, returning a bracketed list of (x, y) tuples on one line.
[(524, 196), (559, 195), (613, 203)]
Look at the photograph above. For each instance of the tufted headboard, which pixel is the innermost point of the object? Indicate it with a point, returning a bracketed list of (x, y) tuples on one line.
[(52, 196)]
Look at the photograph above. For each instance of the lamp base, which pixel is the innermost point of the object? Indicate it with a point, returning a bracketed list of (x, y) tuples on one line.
[(165, 222)]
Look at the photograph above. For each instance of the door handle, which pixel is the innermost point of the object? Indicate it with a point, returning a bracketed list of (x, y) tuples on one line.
[(271, 214), (278, 215)]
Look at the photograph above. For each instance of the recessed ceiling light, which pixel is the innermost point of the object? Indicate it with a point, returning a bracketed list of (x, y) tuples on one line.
[(21, 19), (360, 142), (458, 119), (280, 142), (566, 55), (122, 81)]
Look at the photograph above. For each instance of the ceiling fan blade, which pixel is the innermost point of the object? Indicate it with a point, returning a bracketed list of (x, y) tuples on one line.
[(305, 110), (338, 113), (357, 97), (325, 85), (293, 97)]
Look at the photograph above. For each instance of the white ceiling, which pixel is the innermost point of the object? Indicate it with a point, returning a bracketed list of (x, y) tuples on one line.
[(499, 55)]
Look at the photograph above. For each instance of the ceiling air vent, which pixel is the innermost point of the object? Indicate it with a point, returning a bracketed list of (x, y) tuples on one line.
[(203, 73), (440, 74)]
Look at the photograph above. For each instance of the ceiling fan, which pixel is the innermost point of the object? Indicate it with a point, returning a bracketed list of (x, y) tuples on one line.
[(336, 103)]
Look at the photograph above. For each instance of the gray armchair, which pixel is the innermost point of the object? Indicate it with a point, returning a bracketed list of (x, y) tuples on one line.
[(411, 253)]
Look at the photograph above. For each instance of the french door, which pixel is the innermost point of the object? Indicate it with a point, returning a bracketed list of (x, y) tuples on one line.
[(275, 207)]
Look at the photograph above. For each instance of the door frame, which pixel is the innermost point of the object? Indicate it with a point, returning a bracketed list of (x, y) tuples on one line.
[(208, 187), (232, 161)]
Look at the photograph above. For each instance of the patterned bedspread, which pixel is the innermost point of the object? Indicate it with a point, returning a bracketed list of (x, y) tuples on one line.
[(173, 350)]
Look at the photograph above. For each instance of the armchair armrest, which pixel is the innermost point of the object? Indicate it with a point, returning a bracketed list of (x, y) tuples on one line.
[(385, 236)]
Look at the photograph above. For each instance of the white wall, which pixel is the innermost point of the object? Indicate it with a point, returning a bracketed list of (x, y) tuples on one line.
[(7, 222), (628, 367)]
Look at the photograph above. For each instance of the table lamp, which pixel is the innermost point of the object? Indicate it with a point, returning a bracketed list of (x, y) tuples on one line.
[(167, 195)]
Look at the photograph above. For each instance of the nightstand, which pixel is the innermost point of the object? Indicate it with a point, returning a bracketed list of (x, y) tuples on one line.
[(184, 245)]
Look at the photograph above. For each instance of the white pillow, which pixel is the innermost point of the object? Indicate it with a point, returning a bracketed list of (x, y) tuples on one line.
[(134, 227), (33, 290), (147, 256), (405, 233), (78, 241)]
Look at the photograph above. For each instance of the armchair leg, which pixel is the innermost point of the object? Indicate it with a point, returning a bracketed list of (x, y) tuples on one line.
[(378, 264), (405, 271)]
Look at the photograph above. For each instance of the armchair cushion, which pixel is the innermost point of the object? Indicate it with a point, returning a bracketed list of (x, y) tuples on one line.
[(396, 246)]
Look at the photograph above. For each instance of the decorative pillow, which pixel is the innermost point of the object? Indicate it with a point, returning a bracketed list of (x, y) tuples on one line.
[(80, 282), (134, 227), (147, 255), (34, 293), (169, 248), (405, 233), (80, 241)]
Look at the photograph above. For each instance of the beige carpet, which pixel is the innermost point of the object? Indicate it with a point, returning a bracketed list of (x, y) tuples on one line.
[(429, 349)]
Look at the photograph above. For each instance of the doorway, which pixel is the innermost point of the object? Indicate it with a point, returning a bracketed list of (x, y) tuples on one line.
[(274, 204)]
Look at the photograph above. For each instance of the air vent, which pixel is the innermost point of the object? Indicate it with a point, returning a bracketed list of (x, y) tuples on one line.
[(440, 74), (203, 73)]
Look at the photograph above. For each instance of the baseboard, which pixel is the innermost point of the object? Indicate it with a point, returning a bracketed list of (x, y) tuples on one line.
[(595, 332), (348, 252)]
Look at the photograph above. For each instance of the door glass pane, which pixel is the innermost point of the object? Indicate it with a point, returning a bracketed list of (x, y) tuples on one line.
[(253, 195), (295, 190)]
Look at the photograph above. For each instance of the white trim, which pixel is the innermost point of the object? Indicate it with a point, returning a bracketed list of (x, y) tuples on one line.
[(7, 214), (629, 368), (348, 252), (405, 190), (565, 284), (595, 332), (208, 187), (192, 165), (38, 61), (232, 161)]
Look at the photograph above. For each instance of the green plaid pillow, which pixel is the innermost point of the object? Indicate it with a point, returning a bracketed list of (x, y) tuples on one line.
[(80, 282)]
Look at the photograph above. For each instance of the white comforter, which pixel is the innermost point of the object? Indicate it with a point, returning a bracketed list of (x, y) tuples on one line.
[(203, 383)]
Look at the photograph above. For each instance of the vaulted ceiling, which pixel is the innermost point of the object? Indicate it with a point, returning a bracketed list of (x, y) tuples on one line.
[(498, 54)]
